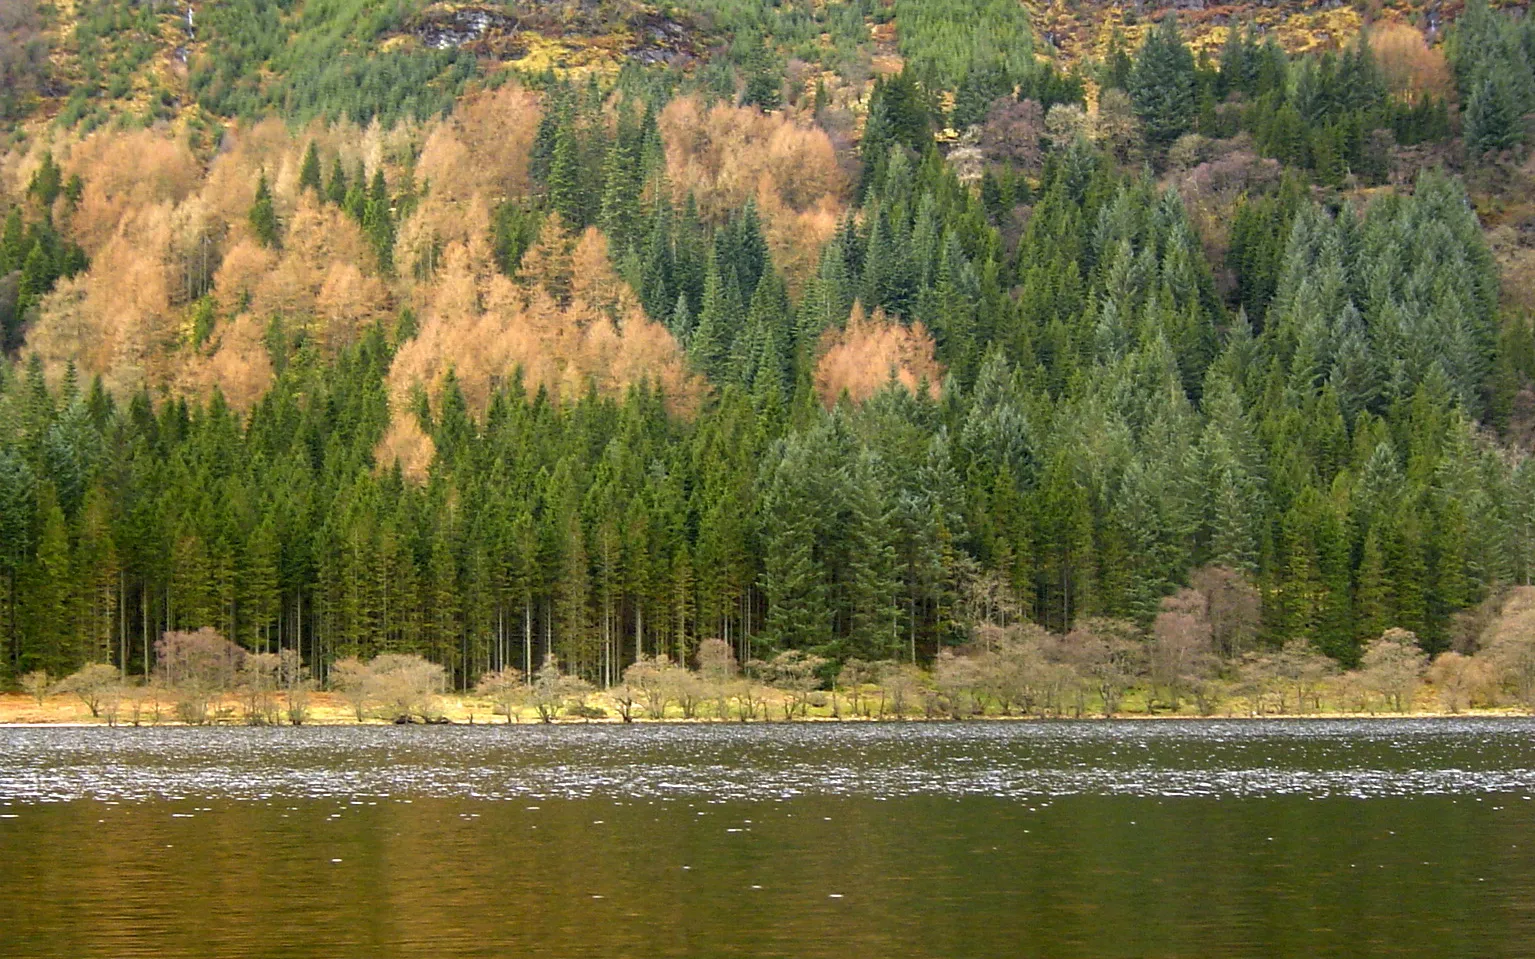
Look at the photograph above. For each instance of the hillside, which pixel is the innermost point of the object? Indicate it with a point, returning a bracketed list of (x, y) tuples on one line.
[(157, 60), (600, 329)]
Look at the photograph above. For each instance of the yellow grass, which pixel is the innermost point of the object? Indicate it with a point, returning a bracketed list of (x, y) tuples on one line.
[(330, 709)]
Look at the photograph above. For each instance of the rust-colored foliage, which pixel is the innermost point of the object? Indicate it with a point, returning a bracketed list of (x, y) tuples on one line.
[(569, 324), (1411, 67), (161, 232), (470, 162), (406, 444), (236, 361), (126, 176), (110, 319), (725, 155), (871, 351)]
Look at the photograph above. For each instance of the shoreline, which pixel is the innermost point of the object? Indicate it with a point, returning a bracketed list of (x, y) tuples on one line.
[(20, 711), (334, 723)]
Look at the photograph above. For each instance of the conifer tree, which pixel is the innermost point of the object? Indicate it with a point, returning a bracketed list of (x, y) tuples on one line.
[(1162, 85), (1491, 117), (378, 222), (262, 216), (309, 172), (336, 188), (565, 178), (621, 194)]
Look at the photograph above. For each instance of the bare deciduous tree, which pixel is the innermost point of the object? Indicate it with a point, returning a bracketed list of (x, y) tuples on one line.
[(350, 677), (505, 688), (655, 683), (294, 678), (112, 698), (1303, 670), (1232, 607), (91, 684), (1110, 655), (1013, 132), (258, 679), (199, 668), (1392, 665), (1461, 680), (1010, 665), (1257, 677), (627, 697), (37, 684), (796, 672), (750, 692), (717, 667), (407, 686), (1509, 644), (1116, 126), (1181, 653), (956, 678), (685, 689), (900, 684), (853, 676), (553, 690)]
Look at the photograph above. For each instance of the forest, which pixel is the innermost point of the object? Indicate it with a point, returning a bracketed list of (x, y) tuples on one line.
[(869, 333)]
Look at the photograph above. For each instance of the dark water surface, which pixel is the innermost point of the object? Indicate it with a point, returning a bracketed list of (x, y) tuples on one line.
[(1388, 838)]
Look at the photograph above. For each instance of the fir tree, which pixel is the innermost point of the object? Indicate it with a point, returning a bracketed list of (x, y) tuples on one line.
[(1162, 85), (1491, 117), (336, 188), (309, 172), (262, 216)]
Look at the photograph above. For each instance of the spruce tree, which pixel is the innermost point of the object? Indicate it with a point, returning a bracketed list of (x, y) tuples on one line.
[(262, 216), (36, 279), (718, 321), (873, 618), (565, 179), (1492, 122), (335, 190), (1162, 86), (378, 222), (13, 248), (764, 78), (309, 172), (622, 188)]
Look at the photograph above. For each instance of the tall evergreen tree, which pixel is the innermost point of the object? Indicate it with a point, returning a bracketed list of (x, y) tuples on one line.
[(1162, 85)]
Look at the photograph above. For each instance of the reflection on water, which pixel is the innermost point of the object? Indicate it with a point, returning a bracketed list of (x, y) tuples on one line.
[(993, 839)]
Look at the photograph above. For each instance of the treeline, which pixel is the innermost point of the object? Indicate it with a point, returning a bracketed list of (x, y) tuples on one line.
[(1103, 667), (1118, 431)]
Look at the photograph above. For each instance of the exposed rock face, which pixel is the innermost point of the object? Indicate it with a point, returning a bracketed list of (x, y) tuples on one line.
[(445, 29), (658, 39), (634, 30)]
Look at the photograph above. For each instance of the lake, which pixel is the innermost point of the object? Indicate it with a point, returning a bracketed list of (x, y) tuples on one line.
[(1095, 839)]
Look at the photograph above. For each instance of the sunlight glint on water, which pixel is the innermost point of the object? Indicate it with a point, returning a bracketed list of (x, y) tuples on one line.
[(899, 839)]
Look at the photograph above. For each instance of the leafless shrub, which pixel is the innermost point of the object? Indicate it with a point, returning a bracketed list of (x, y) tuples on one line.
[(91, 683), (506, 688), (199, 668), (37, 684)]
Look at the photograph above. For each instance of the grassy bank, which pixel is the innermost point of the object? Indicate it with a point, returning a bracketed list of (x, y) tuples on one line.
[(331, 709)]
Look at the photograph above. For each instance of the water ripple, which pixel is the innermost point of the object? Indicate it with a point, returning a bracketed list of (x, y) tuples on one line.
[(1018, 761)]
